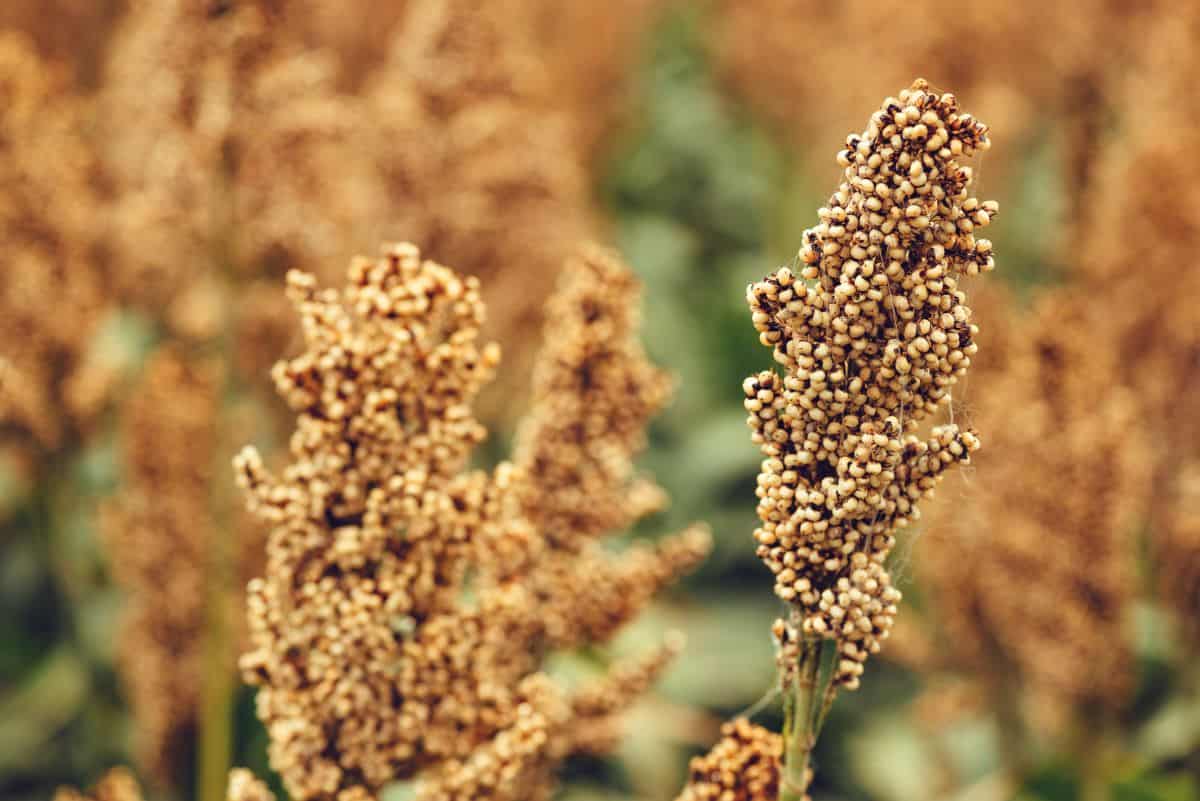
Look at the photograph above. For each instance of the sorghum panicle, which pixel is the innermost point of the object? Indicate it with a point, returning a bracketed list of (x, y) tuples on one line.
[(872, 334), (374, 664), (594, 391), (1065, 465), (52, 299), (160, 533), (743, 766), (117, 784), (1139, 243)]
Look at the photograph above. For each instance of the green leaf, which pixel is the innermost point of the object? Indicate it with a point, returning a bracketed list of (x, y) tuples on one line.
[(1158, 787), (32, 714)]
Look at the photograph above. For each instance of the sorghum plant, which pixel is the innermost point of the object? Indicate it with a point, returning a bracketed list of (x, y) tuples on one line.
[(52, 300), (460, 136), (160, 533), (1151, 292), (872, 334), (1052, 510), (407, 601), (1064, 62)]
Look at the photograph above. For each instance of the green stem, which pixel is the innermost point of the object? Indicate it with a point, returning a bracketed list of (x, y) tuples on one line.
[(805, 703), (1011, 732), (1091, 747), (1092, 786), (216, 703), (216, 710), (215, 757)]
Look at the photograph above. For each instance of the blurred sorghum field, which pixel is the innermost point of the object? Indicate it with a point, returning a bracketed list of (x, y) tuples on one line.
[(443, 569)]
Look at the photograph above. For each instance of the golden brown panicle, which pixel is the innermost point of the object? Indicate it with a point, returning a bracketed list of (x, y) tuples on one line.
[(241, 161), (1050, 510), (374, 522), (872, 335), (743, 766), (1061, 62), (160, 532), (243, 786), (1140, 239), (264, 145), (51, 296), (399, 627), (594, 391)]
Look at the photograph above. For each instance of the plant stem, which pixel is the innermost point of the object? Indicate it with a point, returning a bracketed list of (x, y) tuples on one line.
[(216, 703), (1091, 747), (216, 711), (1011, 733), (216, 745), (803, 703), (1092, 786)]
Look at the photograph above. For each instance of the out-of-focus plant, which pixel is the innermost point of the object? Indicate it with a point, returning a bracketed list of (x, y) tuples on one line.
[(70, 35), (52, 287), (1031, 572), (1061, 63)]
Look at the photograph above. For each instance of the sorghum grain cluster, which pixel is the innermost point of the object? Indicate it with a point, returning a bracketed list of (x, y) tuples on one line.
[(742, 766), (594, 391), (872, 334), (399, 627)]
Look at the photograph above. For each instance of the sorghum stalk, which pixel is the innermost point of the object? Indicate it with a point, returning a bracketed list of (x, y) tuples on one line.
[(215, 753), (218, 685), (804, 707)]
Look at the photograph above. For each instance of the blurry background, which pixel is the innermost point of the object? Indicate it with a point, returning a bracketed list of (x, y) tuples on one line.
[(164, 162)]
